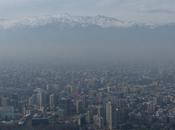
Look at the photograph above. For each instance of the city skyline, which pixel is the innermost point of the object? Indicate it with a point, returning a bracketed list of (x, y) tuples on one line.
[(87, 64)]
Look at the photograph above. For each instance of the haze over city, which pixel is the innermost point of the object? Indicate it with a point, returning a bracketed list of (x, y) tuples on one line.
[(87, 65)]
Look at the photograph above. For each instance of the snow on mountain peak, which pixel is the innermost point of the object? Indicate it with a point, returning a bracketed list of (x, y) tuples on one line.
[(72, 21), (99, 20)]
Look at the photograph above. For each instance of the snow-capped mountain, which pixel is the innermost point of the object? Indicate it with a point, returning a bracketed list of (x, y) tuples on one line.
[(73, 21), (85, 36), (83, 21)]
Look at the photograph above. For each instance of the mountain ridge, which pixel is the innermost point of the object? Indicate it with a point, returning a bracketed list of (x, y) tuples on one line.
[(72, 21)]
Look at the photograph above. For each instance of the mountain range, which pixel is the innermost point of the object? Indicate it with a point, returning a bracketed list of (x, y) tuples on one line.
[(72, 21), (85, 36)]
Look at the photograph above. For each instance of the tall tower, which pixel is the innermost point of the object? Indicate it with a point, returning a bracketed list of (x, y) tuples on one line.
[(109, 115), (77, 102), (40, 98), (52, 101)]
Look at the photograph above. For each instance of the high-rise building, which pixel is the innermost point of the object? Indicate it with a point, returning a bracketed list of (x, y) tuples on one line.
[(77, 102), (40, 98), (52, 101), (31, 101), (109, 115), (88, 117)]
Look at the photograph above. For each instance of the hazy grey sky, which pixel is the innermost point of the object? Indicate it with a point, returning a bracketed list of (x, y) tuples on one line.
[(104, 43), (137, 10)]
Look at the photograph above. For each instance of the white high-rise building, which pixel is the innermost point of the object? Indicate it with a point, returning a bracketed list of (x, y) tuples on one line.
[(109, 115), (39, 98)]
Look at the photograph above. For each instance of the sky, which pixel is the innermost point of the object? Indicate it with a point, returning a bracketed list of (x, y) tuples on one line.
[(161, 11), (104, 43)]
